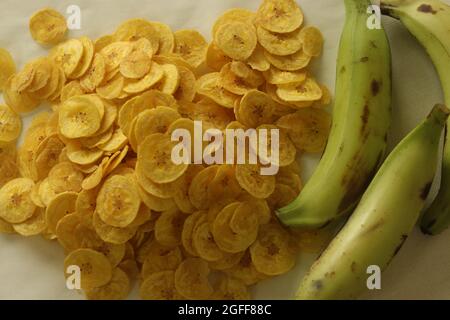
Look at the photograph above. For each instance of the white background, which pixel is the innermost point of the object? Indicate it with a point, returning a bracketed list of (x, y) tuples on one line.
[(33, 268)]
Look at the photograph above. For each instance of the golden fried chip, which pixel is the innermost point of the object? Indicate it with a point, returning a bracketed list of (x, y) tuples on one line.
[(33, 226), (65, 231), (65, 177), (168, 228), (19, 101), (258, 60), (292, 62), (155, 75), (245, 270), (47, 155), (135, 65), (286, 149), (186, 86), (236, 39), (48, 26), (204, 244), (86, 58), (96, 271), (10, 125), (281, 44), (68, 55), (159, 286), (305, 91), (114, 53), (15, 202), (118, 201), (191, 46), (191, 279), (280, 16), (256, 108), (7, 67), (250, 178), (117, 288), (71, 89), (59, 206), (46, 192), (80, 116), (307, 128), (237, 84), (160, 190), (188, 228), (155, 120), (209, 86), (166, 37), (215, 58), (171, 79), (229, 288), (161, 258), (312, 40), (198, 190), (235, 14), (81, 155), (155, 203), (135, 29), (276, 76), (155, 155), (95, 74), (112, 234), (273, 252)]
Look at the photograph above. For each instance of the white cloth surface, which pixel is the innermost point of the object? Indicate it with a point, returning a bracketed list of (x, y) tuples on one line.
[(33, 268)]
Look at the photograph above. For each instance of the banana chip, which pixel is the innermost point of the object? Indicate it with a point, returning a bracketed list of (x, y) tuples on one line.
[(136, 65), (65, 231), (80, 116), (198, 190), (216, 58), (118, 201), (229, 288), (168, 228), (47, 155), (305, 91), (276, 76), (292, 62), (71, 89), (236, 39), (135, 29), (155, 154), (307, 128), (228, 261), (191, 279), (191, 46), (159, 286), (19, 101), (114, 53), (117, 288), (186, 86), (235, 14), (204, 244), (258, 60), (68, 55), (209, 86), (245, 270), (166, 37), (161, 258), (160, 190), (256, 108), (86, 58), (250, 179), (312, 40), (280, 16), (188, 229), (155, 120), (33, 226), (7, 67), (15, 202), (65, 177), (281, 44), (95, 74), (48, 26), (273, 252), (286, 151), (96, 270), (226, 238), (61, 205), (112, 234), (155, 75), (171, 79), (237, 84), (10, 125)]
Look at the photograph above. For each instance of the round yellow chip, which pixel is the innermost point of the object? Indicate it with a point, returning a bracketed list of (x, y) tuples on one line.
[(80, 116), (186, 86), (15, 202), (161, 258), (7, 67), (160, 190), (312, 40), (82, 156), (68, 55), (280, 16), (155, 75), (19, 101), (6, 227), (215, 58), (276, 76), (230, 288), (59, 206), (292, 62), (95, 74), (114, 53), (191, 46), (159, 286), (281, 44), (33, 226), (135, 29), (155, 120), (65, 177), (308, 128), (166, 37), (155, 155), (118, 201), (250, 178), (209, 86), (204, 244), (96, 270), (235, 14), (10, 125), (71, 89), (65, 231), (191, 279), (273, 252), (48, 26), (198, 190), (286, 149), (256, 108), (155, 203), (52, 86), (305, 91), (168, 228), (112, 234), (236, 39), (46, 192), (103, 41), (135, 65), (226, 238), (258, 60), (117, 288), (171, 79), (86, 58)]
